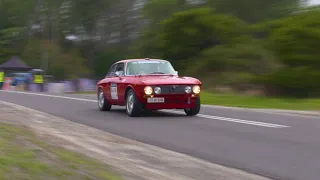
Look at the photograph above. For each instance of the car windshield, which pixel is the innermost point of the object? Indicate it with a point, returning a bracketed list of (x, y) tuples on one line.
[(149, 67)]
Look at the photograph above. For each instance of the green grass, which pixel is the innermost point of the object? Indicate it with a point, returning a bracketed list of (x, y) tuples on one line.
[(259, 101), (24, 156)]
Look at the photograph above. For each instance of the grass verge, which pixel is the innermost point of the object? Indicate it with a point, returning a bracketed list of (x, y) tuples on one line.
[(259, 101), (24, 156)]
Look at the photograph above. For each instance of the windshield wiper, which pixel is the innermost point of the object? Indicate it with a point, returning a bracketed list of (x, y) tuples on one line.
[(157, 73)]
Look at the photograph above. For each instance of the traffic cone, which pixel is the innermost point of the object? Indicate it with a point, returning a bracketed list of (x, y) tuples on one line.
[(7, 83)]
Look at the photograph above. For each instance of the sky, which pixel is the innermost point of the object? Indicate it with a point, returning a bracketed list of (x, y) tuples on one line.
[(313, 2)]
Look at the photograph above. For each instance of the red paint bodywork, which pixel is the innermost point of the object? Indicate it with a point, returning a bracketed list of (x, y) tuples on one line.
[(138, 83)]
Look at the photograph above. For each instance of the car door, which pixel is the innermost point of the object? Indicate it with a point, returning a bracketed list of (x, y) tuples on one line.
[(118, 84), (107, 89)]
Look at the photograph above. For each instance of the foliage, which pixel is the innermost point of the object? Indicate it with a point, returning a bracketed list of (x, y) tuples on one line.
[(295, 44), (254, 11), (189, 32), (8, 40), (239, 44), (298, 82), (154, 12), (147, 45), (234, 64), (104, 60), (158, 10), (61, 64), (15, 13), (247, 55)]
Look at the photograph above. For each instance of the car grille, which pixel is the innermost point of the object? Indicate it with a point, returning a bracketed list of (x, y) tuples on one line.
[(177, 99), (172, 89)]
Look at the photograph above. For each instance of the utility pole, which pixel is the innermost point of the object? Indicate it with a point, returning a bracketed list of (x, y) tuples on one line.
[(45, 61), (45, 55)]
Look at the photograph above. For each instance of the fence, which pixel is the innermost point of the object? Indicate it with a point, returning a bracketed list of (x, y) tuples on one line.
[(77, 85)]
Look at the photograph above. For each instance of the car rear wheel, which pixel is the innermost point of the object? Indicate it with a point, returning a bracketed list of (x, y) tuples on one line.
[(133, 105), (193, 111), (102, 102)]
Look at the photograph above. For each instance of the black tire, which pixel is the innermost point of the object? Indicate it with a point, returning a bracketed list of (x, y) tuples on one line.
[(193, 111), (136, 108), (102, 102)]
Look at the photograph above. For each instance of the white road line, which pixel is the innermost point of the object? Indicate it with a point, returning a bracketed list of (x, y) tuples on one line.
[(255, 123), (50, 95)]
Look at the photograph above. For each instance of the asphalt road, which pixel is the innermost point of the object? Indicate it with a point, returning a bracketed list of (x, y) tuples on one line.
[(277, 146)]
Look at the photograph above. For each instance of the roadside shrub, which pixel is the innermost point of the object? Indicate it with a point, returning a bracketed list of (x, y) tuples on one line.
[(295, 41), (297, 82)]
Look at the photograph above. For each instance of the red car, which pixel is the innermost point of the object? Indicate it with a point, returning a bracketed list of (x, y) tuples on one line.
[(148, 84)]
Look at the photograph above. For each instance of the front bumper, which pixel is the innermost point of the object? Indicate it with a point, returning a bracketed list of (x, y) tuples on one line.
[(172, 101)]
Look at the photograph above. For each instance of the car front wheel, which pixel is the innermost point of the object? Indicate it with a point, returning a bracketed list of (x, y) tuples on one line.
[(102, 102), (133, 105), (193, 111)]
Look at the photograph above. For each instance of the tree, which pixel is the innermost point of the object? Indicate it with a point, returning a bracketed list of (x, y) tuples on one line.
[(295, 43), (157, 10), (14, 15), (297, 40), (153, 13), (61, 64), (104, 60), (254, 11), (189, 32), (8, 43)]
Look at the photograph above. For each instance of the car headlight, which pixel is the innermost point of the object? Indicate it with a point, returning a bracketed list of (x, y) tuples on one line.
[(148, 90), (157, 90), (188, 89), (196, 89)]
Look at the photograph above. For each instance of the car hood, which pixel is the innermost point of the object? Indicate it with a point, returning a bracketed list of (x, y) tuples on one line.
[(162, 80)]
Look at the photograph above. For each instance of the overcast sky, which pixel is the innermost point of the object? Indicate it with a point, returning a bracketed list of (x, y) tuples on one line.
[(314, 1)]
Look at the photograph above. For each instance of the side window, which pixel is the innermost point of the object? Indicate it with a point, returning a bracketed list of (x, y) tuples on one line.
[(112, 70), (120, 68)]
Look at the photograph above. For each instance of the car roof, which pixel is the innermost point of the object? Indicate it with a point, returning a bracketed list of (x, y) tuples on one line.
[(22, 74), (132, 60)]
